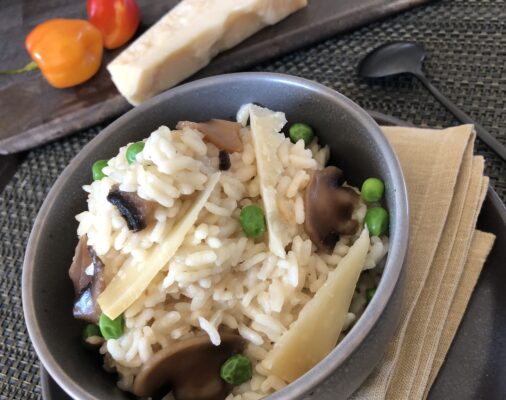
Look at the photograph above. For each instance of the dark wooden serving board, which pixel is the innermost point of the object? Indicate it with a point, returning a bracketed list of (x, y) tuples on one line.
[(32, 112)]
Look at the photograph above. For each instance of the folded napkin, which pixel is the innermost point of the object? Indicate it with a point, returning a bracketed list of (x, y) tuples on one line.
[(446, 189)]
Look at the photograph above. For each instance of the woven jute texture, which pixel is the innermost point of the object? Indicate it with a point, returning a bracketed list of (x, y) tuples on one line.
[(465, 40)]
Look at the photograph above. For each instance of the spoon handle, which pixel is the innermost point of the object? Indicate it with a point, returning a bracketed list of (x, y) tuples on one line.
[(482, 133)]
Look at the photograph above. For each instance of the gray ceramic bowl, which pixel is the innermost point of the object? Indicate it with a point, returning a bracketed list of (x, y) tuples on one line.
[(357, 146)]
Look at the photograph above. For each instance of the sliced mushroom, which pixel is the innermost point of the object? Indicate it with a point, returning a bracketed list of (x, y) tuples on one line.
[(223, 134), (81, 261), (136, 211), (190, 368), (84, 308), (329, 208), (87, 287)]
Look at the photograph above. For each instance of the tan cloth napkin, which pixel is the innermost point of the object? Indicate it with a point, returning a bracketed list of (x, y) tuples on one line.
[(446, 189)]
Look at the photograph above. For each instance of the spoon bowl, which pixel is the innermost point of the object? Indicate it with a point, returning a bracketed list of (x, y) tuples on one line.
[(393, 59), (407, 58)]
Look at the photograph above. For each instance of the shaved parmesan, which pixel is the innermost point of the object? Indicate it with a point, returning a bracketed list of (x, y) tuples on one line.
[(132, 279), (242, 115), (186, 38), (265, 131), (316, 331)]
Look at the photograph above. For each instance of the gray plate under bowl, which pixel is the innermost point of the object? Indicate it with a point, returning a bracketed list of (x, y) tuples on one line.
[(357, 146)]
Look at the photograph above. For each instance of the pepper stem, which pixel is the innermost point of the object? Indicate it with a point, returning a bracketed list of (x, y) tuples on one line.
[(27, 68)]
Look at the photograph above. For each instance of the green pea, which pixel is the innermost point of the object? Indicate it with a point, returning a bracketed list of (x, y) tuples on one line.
[(96, 169), (301, 131), (372, 190), (111, 328), (91, 330), (252, 220), (133, 150), (376, 220), (369, 293), (92, 336), (236, 370)]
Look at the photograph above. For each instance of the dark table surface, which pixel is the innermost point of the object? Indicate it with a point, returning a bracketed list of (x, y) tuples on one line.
[(466, 42), (33, 112)]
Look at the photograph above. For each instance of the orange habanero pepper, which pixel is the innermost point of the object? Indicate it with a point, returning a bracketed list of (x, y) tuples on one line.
[(67, 51)]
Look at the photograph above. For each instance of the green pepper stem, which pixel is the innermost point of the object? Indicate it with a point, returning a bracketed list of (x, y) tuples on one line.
[(27, 68)]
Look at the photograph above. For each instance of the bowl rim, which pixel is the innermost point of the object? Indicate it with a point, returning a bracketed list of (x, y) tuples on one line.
[(391, 275)]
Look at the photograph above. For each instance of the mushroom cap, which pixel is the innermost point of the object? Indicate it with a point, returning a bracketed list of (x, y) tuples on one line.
[(190, 367), (81, 261), (329, 208), (222, 133)]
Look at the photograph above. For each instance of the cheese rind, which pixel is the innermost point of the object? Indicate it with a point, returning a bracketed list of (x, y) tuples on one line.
[(132, 279), (315, 332), (187, 38)]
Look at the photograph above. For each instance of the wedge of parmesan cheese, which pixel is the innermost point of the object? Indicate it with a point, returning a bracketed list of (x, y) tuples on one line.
[(265, 131), (315, 332), (133, 278), (187, 38)]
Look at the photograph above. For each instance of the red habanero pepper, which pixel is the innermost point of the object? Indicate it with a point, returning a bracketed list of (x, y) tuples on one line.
[(116, 19)]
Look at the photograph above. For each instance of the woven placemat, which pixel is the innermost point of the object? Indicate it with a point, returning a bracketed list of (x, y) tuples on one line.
[(465, 40)]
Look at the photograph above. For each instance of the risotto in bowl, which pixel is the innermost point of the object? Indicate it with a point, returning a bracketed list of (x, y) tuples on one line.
[(225, 247)]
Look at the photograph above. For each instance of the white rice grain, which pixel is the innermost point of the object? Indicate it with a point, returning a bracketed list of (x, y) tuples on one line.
[(193, 140), (214, 336), (299, 211), (254, 260), (248, 154), (267, 267), (272, 382), (145, 350), (302, 162), (250, 335), (201, 258), (298, 182), (246, 300), (216, 209), (245, 173)]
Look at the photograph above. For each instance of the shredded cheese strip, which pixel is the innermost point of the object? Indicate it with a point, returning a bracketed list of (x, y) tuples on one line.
[(265, 131), (132, 279), (316, 331)]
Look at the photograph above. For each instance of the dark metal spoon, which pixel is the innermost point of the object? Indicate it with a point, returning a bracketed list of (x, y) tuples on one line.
[(407, 58)]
